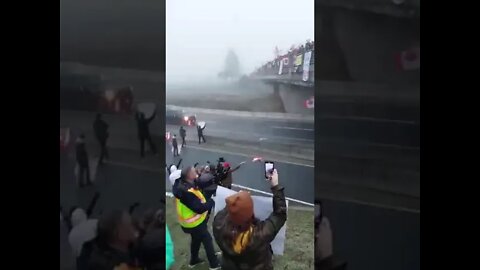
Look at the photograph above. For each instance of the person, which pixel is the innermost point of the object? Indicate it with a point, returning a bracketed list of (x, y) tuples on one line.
[(208, 178), (228, 179), (183, 134), (175, 145), (83, 230), (173, 172), (150, 248), (170, 258), (82, 161), (67, 257), (243, 239), (112, 248), (100, 129), (192, 210), (144, 133), (200, 134)]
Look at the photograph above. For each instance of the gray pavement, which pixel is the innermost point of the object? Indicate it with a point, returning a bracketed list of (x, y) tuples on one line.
[(120, 184), (372, 238), (298, 180)]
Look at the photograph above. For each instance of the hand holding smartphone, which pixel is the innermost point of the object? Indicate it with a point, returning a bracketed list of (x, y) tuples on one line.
[(271, 173), (269, 167)]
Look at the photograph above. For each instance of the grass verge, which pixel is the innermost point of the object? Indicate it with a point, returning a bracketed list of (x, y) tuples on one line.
[(299, 246)]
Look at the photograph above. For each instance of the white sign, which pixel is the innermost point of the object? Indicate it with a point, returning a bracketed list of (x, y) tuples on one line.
[(306, 65), (147, 108), (262, 208), (201, 124)]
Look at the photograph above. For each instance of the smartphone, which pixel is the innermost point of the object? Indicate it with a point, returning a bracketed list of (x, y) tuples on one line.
[(269, 167)]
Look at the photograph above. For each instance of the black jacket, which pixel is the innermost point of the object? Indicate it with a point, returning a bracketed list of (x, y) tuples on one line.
[(174, 142), (151, 249), (200, 130), (258, 254), (183, 132), (330, 263), (103, 257), (81, 153), (100, 128), (143, 126), (207, 182)]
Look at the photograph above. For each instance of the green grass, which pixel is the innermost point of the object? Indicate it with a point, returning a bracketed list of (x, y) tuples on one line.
[(299, 244)]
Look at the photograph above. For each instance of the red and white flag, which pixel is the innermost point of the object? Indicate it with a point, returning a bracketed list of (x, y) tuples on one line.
[(255, 159), (310, 103), (409, 59)]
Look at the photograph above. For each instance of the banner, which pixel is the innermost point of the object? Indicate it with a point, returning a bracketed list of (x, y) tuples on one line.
[(306, 66), (280, 70), (263, 207), (147, 108)]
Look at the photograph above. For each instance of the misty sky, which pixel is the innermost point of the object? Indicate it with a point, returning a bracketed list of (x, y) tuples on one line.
[(199, 33)]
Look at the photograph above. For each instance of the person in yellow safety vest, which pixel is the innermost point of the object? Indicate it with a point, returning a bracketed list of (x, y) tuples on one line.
[(192, 210)]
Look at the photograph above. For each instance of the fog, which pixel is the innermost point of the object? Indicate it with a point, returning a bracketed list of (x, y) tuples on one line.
[(200, 33)]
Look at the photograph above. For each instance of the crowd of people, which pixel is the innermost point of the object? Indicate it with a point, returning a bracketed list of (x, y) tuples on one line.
[(243, 239), (118, 239), (183, 134), (101, 133), (293, 60)]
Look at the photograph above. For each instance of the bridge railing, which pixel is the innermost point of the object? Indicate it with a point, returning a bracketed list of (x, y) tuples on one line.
[(296, 66)]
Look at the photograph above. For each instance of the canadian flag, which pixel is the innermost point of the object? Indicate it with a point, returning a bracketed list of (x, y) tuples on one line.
[(310, 103), (409, 59)]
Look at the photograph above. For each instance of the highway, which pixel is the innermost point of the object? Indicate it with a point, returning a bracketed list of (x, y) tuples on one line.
[(298, 180), (254, 129), (120, 183), (358, 131), (372, 238)]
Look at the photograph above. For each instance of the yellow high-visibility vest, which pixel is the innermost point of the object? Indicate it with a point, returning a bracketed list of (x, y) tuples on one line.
[(188, 218)]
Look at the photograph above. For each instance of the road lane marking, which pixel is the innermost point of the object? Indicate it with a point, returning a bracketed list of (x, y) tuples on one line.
[(370, 119), (293, 128), (245, 155), (136, 167), (377, 205), (271, 195)]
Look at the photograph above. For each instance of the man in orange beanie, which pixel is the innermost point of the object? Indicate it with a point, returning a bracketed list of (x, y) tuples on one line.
[(244, 239)]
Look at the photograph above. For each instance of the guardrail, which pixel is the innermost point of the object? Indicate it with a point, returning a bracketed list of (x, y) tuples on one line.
[(170, 194)]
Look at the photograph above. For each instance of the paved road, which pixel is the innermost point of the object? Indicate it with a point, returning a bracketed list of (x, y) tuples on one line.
[(372, 238), (255, 129), (354, 130), (119, 186), (298, 180)]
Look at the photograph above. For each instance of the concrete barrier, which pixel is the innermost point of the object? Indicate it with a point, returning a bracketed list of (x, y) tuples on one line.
[(266, 115)]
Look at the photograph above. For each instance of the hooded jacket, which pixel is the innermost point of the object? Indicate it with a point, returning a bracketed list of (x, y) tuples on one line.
[(258, 253)]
